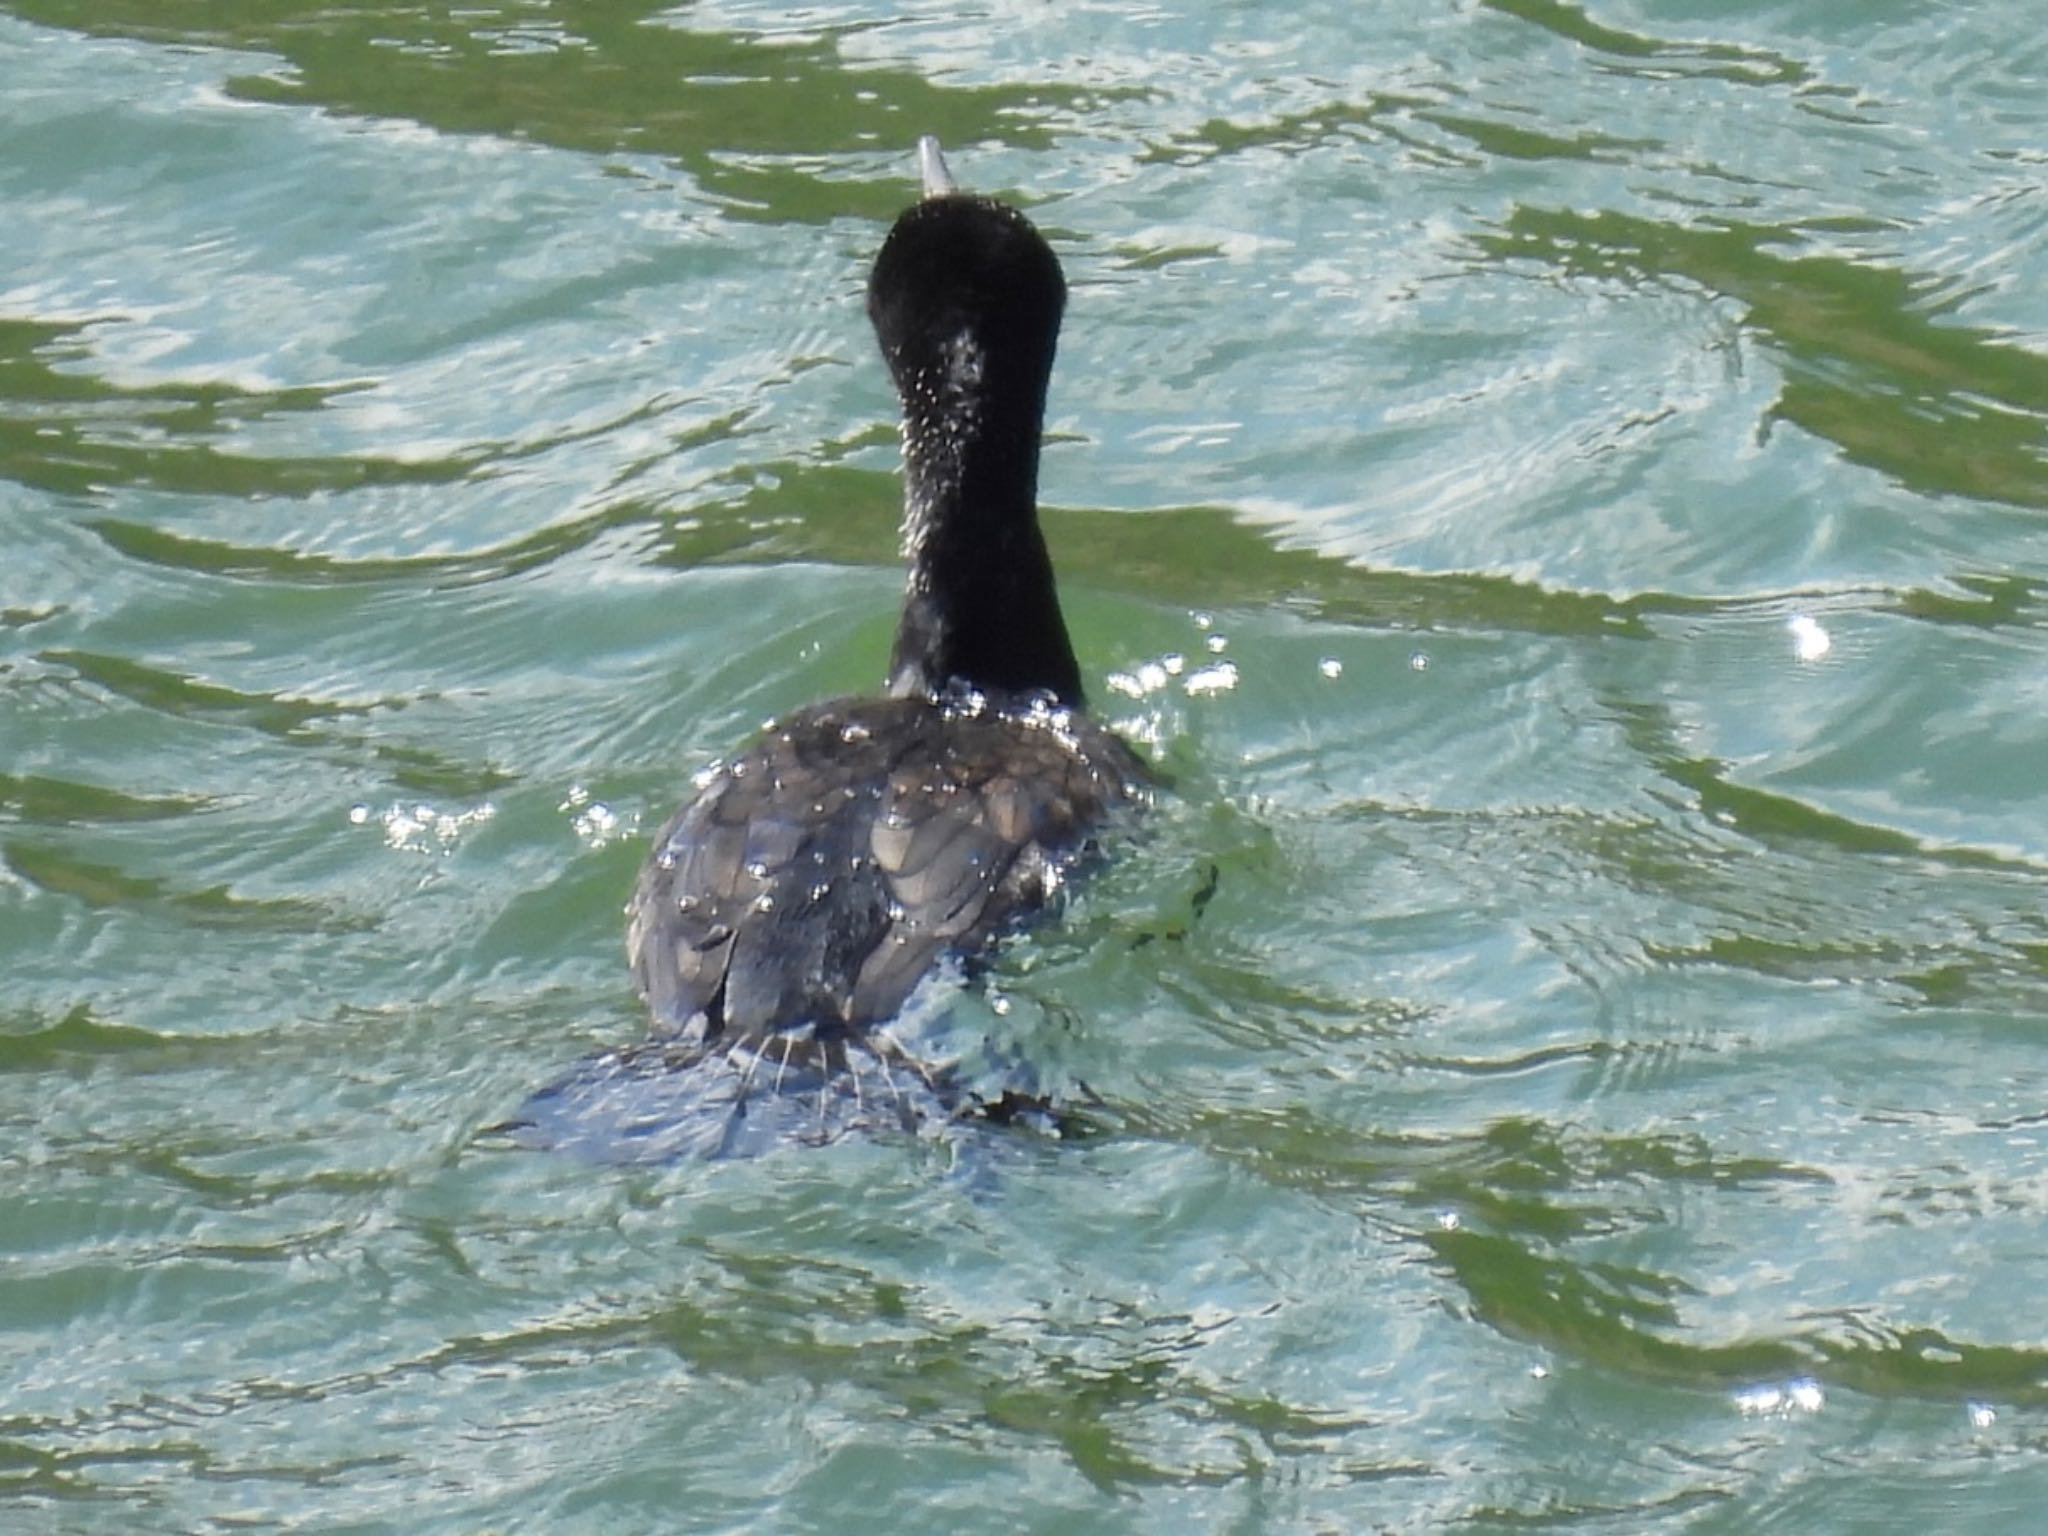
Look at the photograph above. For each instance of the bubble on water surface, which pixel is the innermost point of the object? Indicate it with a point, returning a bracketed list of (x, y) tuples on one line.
[(1218, 677), (422, 828)]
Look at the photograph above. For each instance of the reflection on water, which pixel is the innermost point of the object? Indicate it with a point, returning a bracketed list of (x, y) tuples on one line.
[(1870, 363), (1556, 487)]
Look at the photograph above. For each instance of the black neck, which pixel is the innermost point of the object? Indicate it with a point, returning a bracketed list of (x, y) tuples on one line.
[(965, 297), (980, 607)]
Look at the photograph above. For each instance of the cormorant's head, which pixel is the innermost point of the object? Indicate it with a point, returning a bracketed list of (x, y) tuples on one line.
[(966, 299)]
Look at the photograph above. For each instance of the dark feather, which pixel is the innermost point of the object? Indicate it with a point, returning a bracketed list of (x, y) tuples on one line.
[(816, 879)]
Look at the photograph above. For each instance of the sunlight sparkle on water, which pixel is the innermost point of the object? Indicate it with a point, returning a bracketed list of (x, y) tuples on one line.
[(593, 821), (1149, 677), (1217, 677), (1146, 677), (1781, 1400), (420, 828), (1810, 641)]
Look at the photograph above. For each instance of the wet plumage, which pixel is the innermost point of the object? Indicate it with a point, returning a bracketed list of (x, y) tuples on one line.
[(820, 875), (790, 913)]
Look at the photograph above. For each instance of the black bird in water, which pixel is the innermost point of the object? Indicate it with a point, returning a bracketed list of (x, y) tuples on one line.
[(790, 912)]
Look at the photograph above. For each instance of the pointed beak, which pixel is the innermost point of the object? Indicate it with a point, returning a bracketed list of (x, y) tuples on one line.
[(931, 168)]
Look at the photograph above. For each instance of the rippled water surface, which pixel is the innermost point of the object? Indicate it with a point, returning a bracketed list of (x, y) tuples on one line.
[(1562, 489)]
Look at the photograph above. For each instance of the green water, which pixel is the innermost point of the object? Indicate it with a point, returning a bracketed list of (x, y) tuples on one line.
[(1607, 1089)]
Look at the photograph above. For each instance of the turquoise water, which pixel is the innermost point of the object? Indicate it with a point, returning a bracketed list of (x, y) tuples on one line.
[(1608, 446)]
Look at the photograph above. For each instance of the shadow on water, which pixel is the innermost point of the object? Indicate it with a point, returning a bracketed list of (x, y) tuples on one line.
[(47, 801), (1622, 1319), (96, 885), (1090, 1392), (1991, 602), (65, 431), (1192, 556), (1087, 1391), (173, 693), (31, 1043), (1833, 899), (1523, 1191), (1197, 556), (1660, 57), (1945, 410), (1709, 791), (621, 78)]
